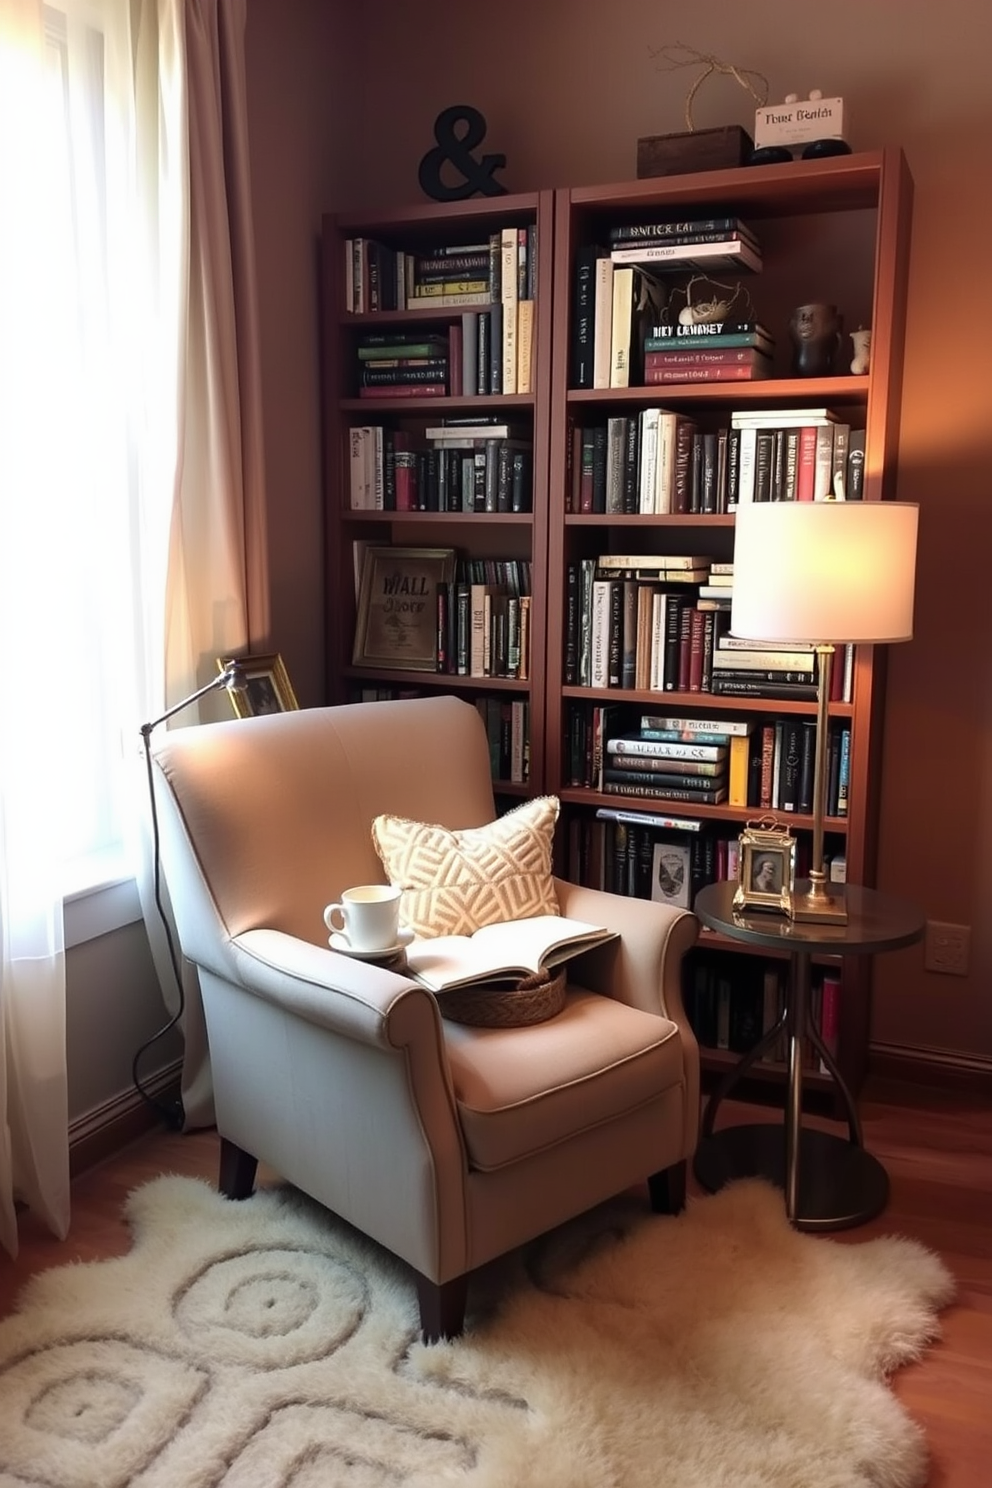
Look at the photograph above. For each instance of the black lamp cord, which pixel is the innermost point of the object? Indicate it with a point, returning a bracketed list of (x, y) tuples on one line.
[(171, 1113)]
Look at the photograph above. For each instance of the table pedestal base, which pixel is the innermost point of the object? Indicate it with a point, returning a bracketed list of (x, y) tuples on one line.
[(840, 1184)]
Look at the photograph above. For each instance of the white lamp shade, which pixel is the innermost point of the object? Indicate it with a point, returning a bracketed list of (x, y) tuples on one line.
[(824, 571)]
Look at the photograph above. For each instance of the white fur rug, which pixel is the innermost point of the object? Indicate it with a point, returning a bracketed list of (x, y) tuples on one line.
[(265, 1345)]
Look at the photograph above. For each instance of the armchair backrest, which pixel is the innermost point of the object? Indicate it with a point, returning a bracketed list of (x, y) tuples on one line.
[(265, 820)]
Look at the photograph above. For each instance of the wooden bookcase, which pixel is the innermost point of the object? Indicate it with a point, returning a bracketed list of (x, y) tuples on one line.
[(834, 231), (472, 534)]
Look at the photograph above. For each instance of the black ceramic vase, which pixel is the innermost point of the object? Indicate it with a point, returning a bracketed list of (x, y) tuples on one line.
[(816, 336)]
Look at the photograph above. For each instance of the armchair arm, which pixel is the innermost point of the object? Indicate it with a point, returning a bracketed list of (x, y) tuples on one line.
[(351, 1052), (643, 968), (353, 998)]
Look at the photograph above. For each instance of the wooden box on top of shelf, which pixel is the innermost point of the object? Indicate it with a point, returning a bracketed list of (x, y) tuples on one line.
[(835, 231)]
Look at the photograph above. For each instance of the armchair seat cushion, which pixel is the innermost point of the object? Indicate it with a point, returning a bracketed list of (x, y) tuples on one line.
[(522, 1091)]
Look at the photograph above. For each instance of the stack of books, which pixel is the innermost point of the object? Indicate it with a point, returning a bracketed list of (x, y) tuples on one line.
[(708, 244), (720, 351), (403, 364), (647, 764)]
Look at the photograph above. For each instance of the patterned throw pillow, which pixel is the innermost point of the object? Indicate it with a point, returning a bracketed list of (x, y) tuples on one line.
[(455, 882)]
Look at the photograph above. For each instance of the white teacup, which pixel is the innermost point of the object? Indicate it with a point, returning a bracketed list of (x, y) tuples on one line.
[(369, 918)]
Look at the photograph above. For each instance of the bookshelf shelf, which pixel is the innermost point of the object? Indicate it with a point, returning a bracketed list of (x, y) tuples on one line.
[(841, 391)]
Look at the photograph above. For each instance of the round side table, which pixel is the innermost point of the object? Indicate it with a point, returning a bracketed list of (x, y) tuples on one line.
[(829, 1183)]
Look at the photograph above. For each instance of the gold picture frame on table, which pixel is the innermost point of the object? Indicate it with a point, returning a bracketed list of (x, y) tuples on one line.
[(263, 685), (397, 625), (766, 876)]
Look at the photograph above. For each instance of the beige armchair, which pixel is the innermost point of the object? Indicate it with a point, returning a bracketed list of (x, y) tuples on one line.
[(447, 1144)]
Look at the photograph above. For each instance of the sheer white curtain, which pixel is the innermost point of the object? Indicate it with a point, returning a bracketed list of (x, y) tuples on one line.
[(122, 538)]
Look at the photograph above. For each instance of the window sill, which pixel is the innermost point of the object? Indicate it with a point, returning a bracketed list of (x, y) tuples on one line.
[(101, 907)]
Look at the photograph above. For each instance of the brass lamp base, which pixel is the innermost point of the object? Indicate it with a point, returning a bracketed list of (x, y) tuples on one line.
[(817, 907)]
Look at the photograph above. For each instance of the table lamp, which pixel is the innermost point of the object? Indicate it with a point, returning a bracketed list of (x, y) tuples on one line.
[(826, 573)]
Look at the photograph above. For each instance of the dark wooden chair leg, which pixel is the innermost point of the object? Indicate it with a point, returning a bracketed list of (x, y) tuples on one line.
[(667, 1189), (237, 1171), (442, 1307)]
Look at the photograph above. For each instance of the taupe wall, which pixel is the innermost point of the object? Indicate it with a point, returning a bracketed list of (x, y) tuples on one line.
[(342, 99)]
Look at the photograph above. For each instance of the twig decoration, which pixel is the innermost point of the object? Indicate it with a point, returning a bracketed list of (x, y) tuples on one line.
[(676, 55)]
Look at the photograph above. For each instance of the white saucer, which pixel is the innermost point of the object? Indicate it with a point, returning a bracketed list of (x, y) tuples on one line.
[(339, 943)]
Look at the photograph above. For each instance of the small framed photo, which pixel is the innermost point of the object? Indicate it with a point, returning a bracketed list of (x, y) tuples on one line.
[(398, 607), (670, 874), (767, 867), (263, 686)]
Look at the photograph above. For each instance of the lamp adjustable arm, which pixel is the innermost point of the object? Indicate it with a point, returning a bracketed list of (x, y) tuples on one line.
[(227, 678)]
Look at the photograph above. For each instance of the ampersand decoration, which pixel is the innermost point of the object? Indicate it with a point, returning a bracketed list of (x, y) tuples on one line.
[(456, 146)]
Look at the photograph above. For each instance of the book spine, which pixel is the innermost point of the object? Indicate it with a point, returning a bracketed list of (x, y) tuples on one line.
[(405, 390), (703, 356), (663, 230), (657, 750), (744, 372), (603, 323), (696, 725), (668, 793), (749, 687), (724, 254), (649, 819)]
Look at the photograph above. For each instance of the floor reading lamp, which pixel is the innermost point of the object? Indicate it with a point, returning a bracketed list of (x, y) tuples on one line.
[(229, 677), (825, 573)]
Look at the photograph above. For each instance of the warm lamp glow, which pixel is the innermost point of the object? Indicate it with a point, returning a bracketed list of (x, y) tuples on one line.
[(824, 571)]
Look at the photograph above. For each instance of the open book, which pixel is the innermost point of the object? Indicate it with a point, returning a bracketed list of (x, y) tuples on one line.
[(501, 953)]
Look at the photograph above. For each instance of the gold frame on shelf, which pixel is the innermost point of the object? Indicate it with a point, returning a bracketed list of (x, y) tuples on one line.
[(766, 845), (397, 627), (263, 685)]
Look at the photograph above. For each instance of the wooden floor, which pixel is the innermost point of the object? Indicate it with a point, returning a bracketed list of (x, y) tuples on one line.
[(938, 1152)]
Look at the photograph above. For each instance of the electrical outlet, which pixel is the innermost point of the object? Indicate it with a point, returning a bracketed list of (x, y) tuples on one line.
[(946, 948)]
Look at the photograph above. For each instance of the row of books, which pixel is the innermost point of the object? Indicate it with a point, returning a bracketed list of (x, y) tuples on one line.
[(380, 276), (653, 855), (500, 271), (507, 724), (763, 763), (661, 461), (621, 292), (484, 620), (477, 468), (799, 454), (650, 629), (733, 1006)]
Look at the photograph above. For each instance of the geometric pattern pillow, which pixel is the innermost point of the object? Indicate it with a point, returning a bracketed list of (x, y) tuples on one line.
[(455, 882)]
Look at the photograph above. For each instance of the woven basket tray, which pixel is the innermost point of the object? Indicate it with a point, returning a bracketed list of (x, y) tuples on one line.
[(533, 1000)]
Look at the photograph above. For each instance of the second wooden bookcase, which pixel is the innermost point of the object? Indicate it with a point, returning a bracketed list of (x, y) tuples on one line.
[(834, 231)]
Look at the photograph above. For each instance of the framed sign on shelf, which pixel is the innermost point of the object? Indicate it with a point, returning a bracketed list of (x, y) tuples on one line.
[(397, 625)]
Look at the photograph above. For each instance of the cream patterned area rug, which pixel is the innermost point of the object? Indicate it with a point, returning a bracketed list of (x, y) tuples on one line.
[(266, 1345)]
